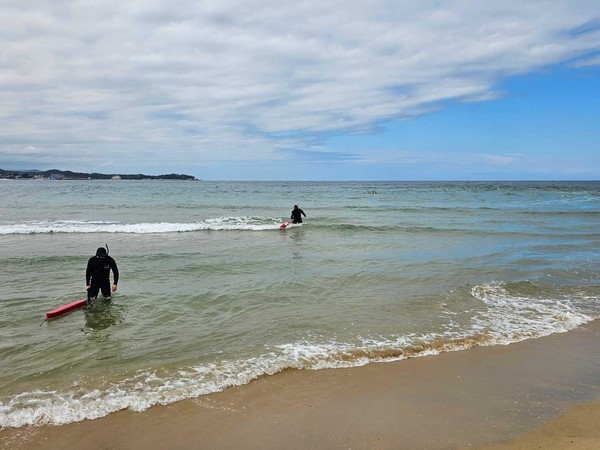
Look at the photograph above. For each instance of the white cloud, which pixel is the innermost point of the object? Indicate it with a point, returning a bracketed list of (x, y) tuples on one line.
[(499, 160), (241, 80), (587, 62)]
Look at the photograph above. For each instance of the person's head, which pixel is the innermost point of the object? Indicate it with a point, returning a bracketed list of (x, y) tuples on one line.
[(101, 252), (295, 206)]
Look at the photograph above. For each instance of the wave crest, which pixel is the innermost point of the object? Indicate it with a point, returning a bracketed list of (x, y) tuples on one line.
[(78, 226)]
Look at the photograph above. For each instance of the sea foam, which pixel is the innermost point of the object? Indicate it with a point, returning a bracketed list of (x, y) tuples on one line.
[(76, 226), (505, 319)]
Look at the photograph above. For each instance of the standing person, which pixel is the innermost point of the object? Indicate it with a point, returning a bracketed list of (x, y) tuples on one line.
[(297, 214), (97, 274)]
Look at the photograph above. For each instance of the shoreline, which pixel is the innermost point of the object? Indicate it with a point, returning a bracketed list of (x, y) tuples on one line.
[(540, 392), (575, 428)]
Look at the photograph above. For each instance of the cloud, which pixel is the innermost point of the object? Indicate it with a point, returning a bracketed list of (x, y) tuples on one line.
[(499, 160), (251, 80), (589, 61)]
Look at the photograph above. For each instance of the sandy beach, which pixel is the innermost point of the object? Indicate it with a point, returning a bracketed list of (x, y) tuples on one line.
[(538, 393)]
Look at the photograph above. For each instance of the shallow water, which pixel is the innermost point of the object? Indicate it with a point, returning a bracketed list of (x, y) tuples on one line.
[(214, 294)]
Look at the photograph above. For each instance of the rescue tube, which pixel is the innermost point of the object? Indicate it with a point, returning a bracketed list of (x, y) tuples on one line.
[(65, 309)]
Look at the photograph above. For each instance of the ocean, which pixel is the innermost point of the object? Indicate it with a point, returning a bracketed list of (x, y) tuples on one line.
[(213, 294)]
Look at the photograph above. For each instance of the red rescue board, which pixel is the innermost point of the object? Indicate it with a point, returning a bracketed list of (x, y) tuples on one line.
[(65, 309)]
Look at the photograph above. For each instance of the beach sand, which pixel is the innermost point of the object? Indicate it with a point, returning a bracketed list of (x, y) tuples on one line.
[(486, 397)]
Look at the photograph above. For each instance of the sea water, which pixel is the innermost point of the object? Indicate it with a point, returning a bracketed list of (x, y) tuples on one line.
[(213, 294)]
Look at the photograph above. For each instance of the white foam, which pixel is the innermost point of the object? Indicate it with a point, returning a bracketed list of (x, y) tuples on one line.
[(504, 319), (76, 226), (510, 318), (148, 388), (139, 393)]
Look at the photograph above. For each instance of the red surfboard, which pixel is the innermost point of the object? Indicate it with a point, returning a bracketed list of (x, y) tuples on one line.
[(284, 224), (65, 309)]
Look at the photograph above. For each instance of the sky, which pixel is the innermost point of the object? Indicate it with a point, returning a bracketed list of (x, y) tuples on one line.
[(303, 90)]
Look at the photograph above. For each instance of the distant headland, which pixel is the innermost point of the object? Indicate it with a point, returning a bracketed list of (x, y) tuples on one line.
[(55, 174)]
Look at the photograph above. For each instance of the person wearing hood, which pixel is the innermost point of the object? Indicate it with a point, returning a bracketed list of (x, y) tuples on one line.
[(297, 214), (97, 274)]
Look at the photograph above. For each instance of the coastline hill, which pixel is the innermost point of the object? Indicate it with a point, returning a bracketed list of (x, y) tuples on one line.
[(55, 174)]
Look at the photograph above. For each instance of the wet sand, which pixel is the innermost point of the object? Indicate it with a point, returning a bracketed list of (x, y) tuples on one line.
[(576, 429), (540, 392)]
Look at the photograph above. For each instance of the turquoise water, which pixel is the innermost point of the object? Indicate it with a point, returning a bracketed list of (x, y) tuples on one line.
[(213, 294)]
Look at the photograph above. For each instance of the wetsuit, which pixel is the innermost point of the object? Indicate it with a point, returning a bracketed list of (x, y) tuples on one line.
[(297, 214), (97, 275)]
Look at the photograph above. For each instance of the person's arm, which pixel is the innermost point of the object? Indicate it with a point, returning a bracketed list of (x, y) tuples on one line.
[(88, 274), (115, 269), (303, 213)]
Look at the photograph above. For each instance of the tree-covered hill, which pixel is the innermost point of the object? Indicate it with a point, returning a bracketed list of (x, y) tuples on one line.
[(69, 175)]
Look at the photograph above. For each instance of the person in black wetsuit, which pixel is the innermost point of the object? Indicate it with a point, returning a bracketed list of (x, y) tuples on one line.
[(97, 274), (297, 214)]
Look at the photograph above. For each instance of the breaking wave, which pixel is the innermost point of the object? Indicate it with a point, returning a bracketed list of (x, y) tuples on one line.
[(79, 226), (501, 318)]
